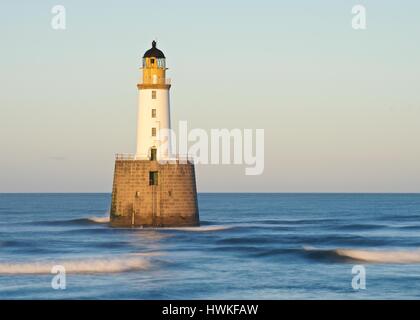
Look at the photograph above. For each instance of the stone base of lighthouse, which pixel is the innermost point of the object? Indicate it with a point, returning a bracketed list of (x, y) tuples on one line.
[(150, 194)]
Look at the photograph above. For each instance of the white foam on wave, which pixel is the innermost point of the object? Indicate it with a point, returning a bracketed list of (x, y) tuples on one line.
[(376, 256), (196, 229), (99, 265), (381, 256), (99, 219)]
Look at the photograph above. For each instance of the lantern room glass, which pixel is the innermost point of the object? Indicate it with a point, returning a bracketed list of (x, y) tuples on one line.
[(154, 62)]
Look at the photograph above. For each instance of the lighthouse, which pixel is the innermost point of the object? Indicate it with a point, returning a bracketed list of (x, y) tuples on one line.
[(148, 190)]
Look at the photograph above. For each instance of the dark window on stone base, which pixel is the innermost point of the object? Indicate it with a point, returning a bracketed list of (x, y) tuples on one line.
[(153, 178)]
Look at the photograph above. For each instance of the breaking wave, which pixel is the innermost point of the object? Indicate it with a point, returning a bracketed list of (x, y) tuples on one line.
[(103, 265), (78, 221), (367, 256), (99, 219)]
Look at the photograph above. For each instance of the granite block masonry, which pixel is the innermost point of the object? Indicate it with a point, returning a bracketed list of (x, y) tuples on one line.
[(149, 194)]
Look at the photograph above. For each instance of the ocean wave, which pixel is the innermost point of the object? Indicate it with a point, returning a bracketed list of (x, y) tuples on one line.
[(367, 256), (299, 221), (274, 252), (198, 229), (99, 219), (9, 243), (94, 219), (78, 221), (381, 256), (99, 265), (253, 240), (358, 227)]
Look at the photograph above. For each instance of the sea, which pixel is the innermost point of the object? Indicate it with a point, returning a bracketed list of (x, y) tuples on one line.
[(249, 246)]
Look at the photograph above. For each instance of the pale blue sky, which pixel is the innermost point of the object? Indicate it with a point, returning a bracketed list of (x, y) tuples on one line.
[(340, 108)]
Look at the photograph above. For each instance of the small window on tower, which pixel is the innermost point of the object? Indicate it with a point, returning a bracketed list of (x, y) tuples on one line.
[(153, 154), (153, 178), (152, 61), (153, 113), (153, 132), (153, 94)]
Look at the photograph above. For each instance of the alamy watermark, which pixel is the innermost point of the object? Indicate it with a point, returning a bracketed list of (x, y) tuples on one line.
[(359, 277), (58, 21), (58, 282), (359, 21), (218, 146)]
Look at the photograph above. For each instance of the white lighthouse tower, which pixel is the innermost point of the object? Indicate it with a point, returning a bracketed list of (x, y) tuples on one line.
[(153, 108)]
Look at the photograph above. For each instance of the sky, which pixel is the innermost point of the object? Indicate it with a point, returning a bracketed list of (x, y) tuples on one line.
[(340, 107)]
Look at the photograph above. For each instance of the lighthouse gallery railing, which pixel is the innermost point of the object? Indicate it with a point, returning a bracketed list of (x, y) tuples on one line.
[(132, 157)]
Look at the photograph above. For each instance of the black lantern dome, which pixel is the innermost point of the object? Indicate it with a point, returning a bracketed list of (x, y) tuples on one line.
[(154, 52)]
